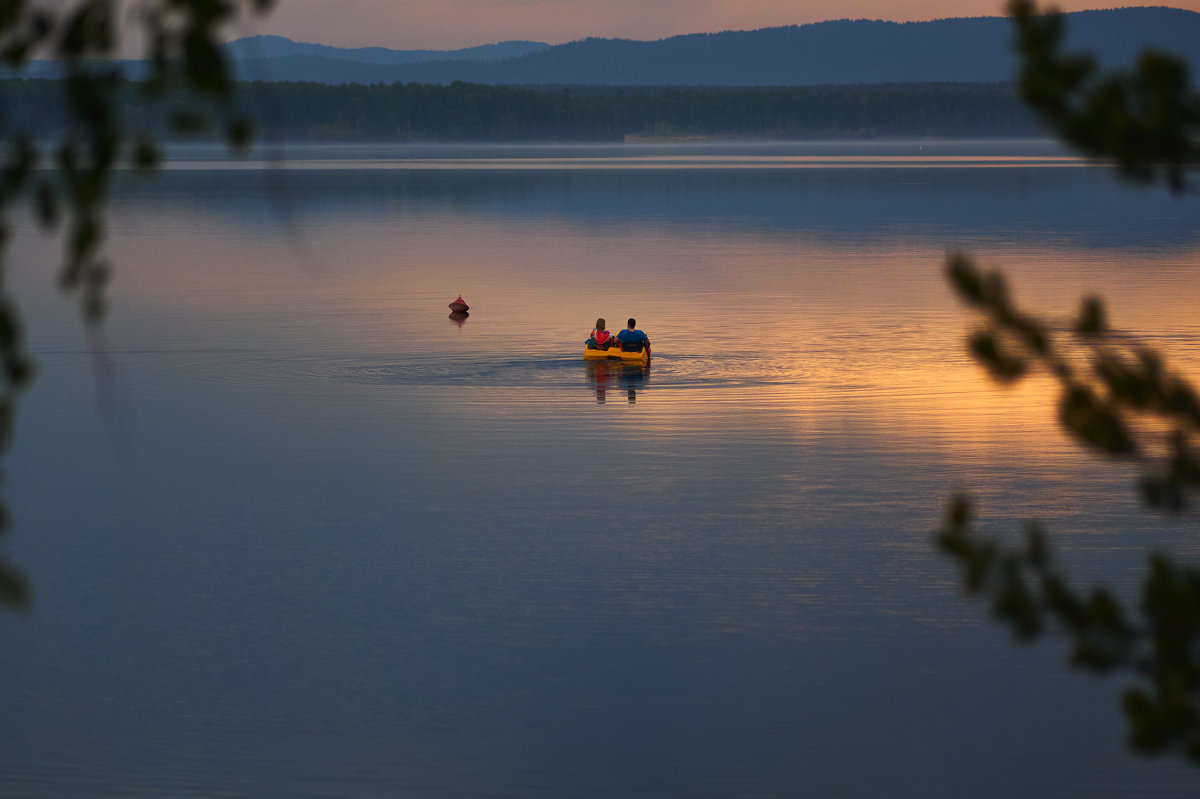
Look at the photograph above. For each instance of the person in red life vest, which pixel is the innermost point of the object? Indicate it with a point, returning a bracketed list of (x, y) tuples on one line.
[(601, 339)]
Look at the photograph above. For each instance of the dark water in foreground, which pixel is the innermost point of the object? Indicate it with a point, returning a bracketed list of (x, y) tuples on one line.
[(295, 533)]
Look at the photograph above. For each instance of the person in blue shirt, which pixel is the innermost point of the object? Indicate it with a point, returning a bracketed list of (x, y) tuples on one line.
[(632, 339)]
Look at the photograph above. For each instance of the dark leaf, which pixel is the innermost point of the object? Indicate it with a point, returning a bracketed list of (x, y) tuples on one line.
[(1095, 422), (1091, 318), (240, 134), (146, 155), (188, 122), (47, 205), (1003, 365), (14, 588)]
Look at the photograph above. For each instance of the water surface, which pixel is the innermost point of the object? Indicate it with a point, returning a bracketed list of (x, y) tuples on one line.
[(295, 532)]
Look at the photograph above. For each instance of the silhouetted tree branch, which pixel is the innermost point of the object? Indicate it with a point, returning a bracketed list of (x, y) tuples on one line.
[(1116, 397), (68, 180), (1146, 119)]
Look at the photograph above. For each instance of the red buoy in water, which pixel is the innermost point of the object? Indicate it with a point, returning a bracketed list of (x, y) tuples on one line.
[(458, 306)]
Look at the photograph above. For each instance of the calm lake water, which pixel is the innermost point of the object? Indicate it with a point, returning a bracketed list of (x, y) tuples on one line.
[(293, 532)]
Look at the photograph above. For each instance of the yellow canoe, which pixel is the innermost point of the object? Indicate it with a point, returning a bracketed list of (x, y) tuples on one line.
[(617, 354)]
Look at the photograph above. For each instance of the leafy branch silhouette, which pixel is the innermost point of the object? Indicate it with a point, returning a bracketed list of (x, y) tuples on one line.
[(1117, 397), (67, 177)]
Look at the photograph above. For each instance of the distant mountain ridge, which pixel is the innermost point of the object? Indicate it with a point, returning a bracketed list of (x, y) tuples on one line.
[(258, 48), (276, 58), (839, 52), (962, 50)]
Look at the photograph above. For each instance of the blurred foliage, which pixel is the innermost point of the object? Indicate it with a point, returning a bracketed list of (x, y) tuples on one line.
[(67, 179), (1146, 119), (1117, 397)]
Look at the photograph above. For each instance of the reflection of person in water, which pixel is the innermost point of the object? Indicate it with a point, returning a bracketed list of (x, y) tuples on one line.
[(631, 380), (627, 378), (599, 375)]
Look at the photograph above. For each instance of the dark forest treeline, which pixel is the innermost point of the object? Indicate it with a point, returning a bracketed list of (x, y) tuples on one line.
[(476, 112)]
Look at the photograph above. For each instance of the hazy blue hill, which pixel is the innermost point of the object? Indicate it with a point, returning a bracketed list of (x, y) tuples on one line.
[(1119, 35), (838, 52), (975, 50), (258, 48), (275, 58)]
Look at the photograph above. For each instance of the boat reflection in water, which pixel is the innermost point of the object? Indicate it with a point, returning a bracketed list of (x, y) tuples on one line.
[(605, 375)]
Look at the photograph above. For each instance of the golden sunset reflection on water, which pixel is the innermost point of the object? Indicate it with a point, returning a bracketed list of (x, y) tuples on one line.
[(282, 490), (806, 333), (803, 332)]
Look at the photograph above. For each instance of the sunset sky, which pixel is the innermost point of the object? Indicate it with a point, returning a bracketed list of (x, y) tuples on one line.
[(451, 24)]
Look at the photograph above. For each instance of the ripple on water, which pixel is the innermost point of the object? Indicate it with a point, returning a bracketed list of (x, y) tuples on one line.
[(673, 372)]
